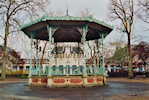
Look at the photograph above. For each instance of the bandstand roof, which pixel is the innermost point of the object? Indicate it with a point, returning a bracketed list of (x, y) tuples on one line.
[(66, 28)]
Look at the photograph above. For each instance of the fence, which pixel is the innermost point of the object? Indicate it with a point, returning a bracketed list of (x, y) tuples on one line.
[(67, 70)]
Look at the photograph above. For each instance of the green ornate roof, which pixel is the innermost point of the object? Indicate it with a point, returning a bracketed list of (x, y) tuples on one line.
[(67, 18), (66, 28)]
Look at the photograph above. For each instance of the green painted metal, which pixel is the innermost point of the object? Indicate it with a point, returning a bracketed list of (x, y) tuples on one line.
[(100, 71), (39, 69), (75, 72), (56, 52), (100, 63), (67, 70), (42, 73), (84, 38), (103, 54), (50, 38), (100, 60), (56, 69), (79, 61), (67, 18), (60, 72), (30, 72), (36, 53), (67, 60), (97, 54), (56, 60), (95, 65), (79, 57)]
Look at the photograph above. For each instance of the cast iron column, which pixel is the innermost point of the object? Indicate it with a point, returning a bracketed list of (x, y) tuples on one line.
[(95, 68), (50, 38), (97, 56), (103, 54), (37, 67), (84, 38), (30, 69)]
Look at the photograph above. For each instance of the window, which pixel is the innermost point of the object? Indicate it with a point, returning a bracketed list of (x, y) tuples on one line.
[(21, 67), (27, 67), (14, 68)]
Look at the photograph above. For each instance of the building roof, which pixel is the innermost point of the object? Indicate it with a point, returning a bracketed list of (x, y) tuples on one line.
[(8, 49), (66, 28)]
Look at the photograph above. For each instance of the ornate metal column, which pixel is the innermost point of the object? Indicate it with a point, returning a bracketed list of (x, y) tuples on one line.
[(30, 69), (84, 38), (95, 68), (37, 67), (97, 56), (36, 46), (49, 28), (103, 54), (78, 55), (56, 56)]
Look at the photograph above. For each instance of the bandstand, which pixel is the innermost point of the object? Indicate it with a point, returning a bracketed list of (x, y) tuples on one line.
[(67, 29)]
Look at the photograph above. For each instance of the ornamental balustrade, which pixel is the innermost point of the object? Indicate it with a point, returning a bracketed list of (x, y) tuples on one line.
[(66, 71)]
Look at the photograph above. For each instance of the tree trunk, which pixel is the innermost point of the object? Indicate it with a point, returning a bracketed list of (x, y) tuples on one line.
[(3, 74), (41, 61), (144, 65), (130, 72)]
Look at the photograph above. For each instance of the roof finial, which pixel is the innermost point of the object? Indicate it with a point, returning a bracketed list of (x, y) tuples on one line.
[(67, 10)]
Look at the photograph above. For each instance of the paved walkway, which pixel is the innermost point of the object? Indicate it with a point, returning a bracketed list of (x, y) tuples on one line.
[(117, 89), (13, 80), (139, 80)]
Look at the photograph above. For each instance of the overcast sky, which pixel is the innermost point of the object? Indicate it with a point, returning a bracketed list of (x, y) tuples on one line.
[(100, 10)]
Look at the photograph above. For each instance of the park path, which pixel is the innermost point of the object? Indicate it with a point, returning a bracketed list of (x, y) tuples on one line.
[(117, 89), (13, 80), (139, 80)]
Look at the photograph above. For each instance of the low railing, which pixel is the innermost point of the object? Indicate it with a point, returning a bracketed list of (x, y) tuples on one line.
[(39, 72), (67, 70)]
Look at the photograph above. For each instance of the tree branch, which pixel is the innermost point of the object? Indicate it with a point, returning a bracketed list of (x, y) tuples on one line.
[(2, 37), (18, 7)]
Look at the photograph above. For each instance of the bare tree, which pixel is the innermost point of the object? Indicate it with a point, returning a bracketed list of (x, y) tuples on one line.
[(59, 12), (92, 49), (85, 12), (123, 10), (43, 52), (10, 12), (143, 11)]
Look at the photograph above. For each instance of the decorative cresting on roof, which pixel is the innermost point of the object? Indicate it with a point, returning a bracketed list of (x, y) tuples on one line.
[(67, 18)]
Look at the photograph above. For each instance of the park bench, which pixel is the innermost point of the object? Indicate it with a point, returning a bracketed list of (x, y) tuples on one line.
[(140, 76)]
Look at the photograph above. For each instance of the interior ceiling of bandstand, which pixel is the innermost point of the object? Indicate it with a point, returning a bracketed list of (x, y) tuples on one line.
[(66, 31)]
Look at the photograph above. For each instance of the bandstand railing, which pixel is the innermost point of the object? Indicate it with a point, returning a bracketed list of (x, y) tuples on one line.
[(67, 71)]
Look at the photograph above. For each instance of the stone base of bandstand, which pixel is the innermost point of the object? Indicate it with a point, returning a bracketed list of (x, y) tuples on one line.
[(67, 81)]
